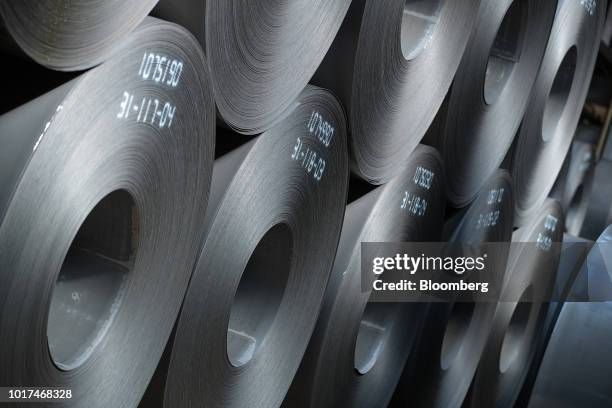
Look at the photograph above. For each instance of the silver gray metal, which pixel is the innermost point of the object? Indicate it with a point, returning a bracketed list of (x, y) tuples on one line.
[(490, 92), (575, 369), (573, 254), (359, 348), (556, 102), (71, 35), (273, 223), (261, 53), (440, 370), (391, 65), (100, 220), (517, 326)]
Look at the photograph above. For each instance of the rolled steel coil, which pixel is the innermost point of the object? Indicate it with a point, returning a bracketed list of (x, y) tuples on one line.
[(273, 225), (490, 92), (573, 254), (358, 350), (440, 370), (71, 35), (575, 368), (556, 102), (104, 185), (521, 315), (392, 64), (579, 204), (261, 53), (582, 160)]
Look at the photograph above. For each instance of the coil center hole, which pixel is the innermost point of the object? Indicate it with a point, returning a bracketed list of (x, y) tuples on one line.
[(92, 280), (372, 335), (514, 338), (419, 20), (559, 94), (456, 331), (505, 53), (259, 294)]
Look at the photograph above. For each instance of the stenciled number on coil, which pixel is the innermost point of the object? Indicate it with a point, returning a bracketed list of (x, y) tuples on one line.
[(308, 159), (487, 220), (160, 69), (491, 218), (544, 240), (423, 177), (414, 204), (322, 129), (589, 5), (146, 110), (496, 196)]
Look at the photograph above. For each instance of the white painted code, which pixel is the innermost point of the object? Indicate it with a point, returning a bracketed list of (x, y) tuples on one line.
[(414, 204), (544, 240), (146, 110), (489, 219), (423, 177), (589, 5), (160, 69), (308, 159), (322, 129)]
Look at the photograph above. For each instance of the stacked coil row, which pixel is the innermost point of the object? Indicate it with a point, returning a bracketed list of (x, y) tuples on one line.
[(181, 222)]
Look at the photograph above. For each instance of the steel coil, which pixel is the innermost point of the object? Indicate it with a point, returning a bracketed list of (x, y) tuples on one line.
[(575, 368), (556, 103), (581, 161), (71, 35), (521, 315), (573, 254), (104, 185), (274, 221), (578, 204), (261, 53), (440, 371), (359, 348), (490, 92), (392, 81), (574, 183)]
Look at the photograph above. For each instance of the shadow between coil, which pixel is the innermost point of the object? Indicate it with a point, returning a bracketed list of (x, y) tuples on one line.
[(71, 35), (520, 317), (274, 219), (556, 102), (486, 102), (104, 184), (261, 53), (359, 348), (440, 370), (392, 64)]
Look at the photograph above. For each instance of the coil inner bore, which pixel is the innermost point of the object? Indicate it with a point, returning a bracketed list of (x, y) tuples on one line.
[(259, 294), (559, 94), (514, 338), (456, 331), (506, 51), (92, 280), (373, 333), (419, 21)]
